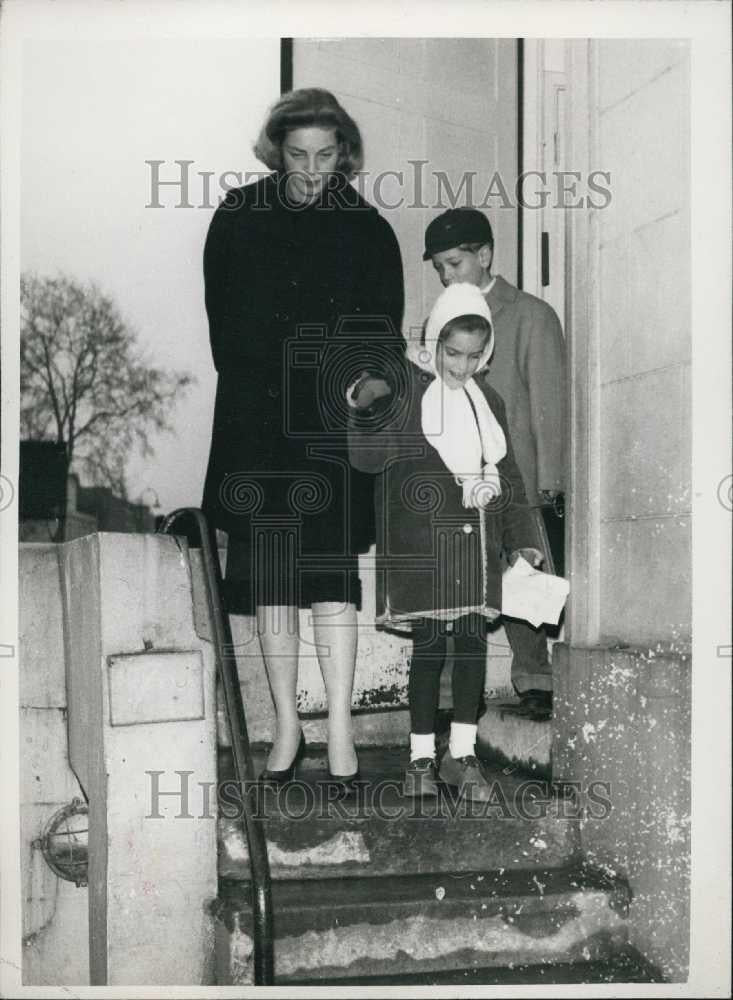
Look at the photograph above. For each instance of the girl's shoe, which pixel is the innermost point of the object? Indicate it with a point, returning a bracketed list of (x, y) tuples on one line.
[(465, 773), (421, 778), (286, 775)]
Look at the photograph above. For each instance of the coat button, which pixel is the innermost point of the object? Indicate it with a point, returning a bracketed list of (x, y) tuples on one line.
[(467, 529), (273, 392)]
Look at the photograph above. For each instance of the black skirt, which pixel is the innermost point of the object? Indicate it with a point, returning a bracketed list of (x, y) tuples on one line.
[(300, 548), (270, 572)]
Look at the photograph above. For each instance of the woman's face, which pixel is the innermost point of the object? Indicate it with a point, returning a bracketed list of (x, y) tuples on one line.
[(309, 156), (457, 356)]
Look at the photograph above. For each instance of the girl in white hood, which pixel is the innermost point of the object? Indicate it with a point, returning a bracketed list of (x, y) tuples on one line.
[(449, 498)]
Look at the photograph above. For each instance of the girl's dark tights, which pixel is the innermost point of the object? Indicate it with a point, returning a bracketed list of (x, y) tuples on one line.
[(428, 657)]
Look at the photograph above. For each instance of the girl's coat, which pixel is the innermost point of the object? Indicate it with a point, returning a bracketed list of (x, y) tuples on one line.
[(435, 557)]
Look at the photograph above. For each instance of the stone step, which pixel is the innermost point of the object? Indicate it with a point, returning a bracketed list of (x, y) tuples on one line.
[(379, 832), (626, 965), (514, 741), (361, 928)]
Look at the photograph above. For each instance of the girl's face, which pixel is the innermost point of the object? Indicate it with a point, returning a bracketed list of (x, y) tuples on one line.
[(458, 355), (309, 156)]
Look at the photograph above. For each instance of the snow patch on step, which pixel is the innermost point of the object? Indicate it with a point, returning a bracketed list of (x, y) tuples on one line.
[(345, 846), (427, 938)]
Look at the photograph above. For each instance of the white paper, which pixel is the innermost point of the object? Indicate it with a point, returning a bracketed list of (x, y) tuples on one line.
[(532, 595)]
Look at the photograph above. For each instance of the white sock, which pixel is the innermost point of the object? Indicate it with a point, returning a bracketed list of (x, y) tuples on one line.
[(462, 742), (422, 745)]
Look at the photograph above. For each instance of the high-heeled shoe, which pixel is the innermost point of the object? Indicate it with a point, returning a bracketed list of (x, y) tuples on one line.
[(288, 773), (346, 783)]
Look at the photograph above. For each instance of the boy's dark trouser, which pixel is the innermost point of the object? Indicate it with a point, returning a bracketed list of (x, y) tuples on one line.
[(428, 657), (531, 667)]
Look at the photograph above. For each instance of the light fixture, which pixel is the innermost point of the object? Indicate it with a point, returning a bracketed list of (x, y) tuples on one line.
[(64, 842)]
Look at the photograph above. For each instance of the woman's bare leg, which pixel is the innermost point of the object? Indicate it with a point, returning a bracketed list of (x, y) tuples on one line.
[(277, 627), (334, 627)]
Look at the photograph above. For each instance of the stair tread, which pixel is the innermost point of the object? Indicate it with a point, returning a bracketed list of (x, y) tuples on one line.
[(383, 832), (376, 763), (364, 929), (356, 891), (626, 966)]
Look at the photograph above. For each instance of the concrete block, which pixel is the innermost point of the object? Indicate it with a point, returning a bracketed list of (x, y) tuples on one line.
[(79, 561), (665, 675), (626, 65), (155, 687), (646, 605), (39, 882), (150, 580), (56, 950), (634, 138), (136, 904), (152, 866), (646, 445), (651, 265), (519, 742), (45, 774), (40, 628), (639, 742)]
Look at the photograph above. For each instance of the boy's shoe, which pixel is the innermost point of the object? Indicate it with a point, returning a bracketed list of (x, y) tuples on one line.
[(420, 778), (536, 704), (465, 772)]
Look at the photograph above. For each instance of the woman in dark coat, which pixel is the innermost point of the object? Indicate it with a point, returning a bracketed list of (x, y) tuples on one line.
[(303, 292)]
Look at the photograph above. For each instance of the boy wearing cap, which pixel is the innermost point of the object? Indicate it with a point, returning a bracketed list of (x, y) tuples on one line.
[(528, 372)]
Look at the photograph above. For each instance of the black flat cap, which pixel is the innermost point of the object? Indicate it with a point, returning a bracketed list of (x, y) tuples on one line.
[(456, 226)]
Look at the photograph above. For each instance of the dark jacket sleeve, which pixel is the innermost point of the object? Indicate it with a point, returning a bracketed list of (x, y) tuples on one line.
[(381, 290), (369, 450), (518, 526), (216, 253), (229, 310), (376, 436), (379, 298)]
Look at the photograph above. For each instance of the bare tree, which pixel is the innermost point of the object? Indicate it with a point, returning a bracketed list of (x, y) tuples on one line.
[(84, 380)]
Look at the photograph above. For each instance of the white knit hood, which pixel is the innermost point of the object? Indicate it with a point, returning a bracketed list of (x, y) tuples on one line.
[(459, 423)]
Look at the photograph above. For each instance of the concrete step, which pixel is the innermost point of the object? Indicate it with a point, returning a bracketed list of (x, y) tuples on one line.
[(625, 965), (378, 832), (360, 928), (512, 740)]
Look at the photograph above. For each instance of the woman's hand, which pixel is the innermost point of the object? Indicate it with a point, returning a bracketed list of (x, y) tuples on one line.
[(368, 389), (533, 556)]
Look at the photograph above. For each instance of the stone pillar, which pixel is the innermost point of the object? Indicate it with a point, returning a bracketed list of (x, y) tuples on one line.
[(142, 741)]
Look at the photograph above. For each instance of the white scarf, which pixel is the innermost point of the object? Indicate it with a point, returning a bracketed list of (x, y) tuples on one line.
[(468, 438)]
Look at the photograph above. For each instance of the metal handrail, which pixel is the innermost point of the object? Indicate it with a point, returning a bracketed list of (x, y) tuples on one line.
[(244, 773)]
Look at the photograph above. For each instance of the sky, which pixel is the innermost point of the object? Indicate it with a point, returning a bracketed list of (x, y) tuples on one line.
[(93, 113)]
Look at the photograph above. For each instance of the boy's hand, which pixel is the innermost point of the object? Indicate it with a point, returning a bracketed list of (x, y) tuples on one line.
[(533, 556), (368, 389)]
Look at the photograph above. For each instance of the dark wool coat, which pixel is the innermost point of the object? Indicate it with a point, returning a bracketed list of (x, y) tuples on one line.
[(435, 557), (298, 300)]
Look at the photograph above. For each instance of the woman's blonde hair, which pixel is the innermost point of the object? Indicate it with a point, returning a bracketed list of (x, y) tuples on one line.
[(304, 108)]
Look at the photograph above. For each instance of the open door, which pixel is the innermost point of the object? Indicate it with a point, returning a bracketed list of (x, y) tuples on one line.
[(544, 212)]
